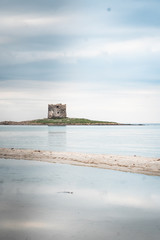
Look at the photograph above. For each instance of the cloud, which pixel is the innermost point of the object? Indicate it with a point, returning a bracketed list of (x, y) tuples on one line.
[(78, 42), (27, 21), (49, 6), (99, 102), (96, 48), (12, 225)]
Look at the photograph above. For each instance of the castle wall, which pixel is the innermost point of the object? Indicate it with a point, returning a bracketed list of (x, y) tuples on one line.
[(57, 111)]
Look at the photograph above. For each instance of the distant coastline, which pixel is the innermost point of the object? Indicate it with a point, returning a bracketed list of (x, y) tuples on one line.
[(62, 122)]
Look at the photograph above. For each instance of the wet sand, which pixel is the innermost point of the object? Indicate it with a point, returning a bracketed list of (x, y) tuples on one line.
[(134, 164)]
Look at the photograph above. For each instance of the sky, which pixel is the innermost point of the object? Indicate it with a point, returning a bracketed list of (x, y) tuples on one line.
[(100, 57)]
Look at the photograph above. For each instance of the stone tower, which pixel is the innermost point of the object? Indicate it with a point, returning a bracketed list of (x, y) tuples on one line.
[(57, 111)]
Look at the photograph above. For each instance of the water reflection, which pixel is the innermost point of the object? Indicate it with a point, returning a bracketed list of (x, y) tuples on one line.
[(57, 138), (36, 203), (121, 140)]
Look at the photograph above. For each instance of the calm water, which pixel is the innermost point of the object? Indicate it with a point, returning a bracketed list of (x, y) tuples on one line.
[(60, 202), (122, 140), (50, 201)]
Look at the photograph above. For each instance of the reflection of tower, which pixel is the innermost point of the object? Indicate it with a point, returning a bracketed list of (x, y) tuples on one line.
[(57, 138), (57, 111)]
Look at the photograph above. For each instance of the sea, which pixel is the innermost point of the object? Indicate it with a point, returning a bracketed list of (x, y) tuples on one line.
[(41, 200), (141, 140)]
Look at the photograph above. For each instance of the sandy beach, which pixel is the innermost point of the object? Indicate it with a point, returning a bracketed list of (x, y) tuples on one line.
[(134, 164)]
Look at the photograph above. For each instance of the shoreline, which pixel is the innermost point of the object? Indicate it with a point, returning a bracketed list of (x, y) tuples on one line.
[(133, 164), (66, 122), (11, 123)]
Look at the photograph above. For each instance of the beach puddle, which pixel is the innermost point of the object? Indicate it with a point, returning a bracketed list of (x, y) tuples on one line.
[(53, 201)]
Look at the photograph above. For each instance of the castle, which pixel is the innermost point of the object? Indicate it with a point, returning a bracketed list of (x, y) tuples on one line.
[(57, 111)]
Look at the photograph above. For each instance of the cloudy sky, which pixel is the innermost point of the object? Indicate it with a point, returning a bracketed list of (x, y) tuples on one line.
[(100, 57)]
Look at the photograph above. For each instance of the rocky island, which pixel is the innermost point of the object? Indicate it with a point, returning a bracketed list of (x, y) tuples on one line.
[(57, 116), (60, 122)]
